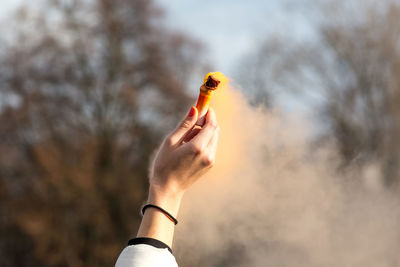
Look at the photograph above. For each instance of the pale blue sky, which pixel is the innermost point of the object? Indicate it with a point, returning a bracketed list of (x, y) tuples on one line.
[(8, 5), (230, 28)]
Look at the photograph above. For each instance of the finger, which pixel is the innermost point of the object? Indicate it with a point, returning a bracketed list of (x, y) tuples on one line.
[(212, 146), (208, 156), (192, 133), (202, 139), (185, 126)]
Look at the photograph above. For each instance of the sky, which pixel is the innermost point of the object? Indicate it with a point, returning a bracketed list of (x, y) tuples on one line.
[(8, 5), (232, 28), (228, 28)]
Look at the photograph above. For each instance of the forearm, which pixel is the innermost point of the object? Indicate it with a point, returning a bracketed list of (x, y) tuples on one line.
[(182, 158), (155, 234), (156, 224)]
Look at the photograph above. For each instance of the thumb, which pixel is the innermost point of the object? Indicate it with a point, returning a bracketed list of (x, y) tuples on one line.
[(186, 125)]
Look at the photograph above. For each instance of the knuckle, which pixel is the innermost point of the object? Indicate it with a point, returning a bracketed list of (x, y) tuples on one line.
[(208, 161), (185, 124), (169, 140), (214, 125), (197, 150)]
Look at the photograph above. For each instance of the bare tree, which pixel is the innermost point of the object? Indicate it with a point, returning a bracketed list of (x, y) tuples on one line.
[(87, 88), (353, 68)]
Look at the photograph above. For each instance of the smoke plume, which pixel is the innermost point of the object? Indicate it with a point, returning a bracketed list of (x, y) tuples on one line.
[(272, 199)]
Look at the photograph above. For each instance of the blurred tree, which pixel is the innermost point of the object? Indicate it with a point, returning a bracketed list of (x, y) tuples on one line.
[(350, 71), (87, 88)]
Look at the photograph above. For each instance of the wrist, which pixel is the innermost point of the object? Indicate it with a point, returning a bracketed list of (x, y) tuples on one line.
[(169, 201)]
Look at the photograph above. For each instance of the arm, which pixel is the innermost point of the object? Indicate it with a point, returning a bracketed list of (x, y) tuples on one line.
[(184, 156)]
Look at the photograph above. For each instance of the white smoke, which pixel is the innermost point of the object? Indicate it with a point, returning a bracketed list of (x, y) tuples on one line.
[(274, 200)]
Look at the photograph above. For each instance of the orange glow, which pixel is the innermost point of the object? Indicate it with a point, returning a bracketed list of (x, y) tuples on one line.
[(219, 76), (212, 81)]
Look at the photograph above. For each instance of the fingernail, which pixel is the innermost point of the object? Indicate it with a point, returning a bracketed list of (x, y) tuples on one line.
[(191, 112)]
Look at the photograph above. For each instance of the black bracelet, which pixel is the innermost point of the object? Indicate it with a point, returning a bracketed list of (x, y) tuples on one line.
[(166, 213)]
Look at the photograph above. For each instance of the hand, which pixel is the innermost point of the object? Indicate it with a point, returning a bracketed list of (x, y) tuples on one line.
[(185, 155)]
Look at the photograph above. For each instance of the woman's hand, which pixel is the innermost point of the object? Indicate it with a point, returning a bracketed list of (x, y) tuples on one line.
[(185, 155)]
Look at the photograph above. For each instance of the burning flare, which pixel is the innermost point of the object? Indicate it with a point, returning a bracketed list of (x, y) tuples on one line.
[(212, 81)]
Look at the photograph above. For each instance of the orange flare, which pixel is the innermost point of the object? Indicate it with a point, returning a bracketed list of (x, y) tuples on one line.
[(211, 82)]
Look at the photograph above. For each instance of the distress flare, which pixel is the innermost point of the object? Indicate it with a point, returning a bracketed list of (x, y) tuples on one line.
[(211, 83)]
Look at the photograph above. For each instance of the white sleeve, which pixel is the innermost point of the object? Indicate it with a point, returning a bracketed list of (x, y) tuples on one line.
[(144, 255)]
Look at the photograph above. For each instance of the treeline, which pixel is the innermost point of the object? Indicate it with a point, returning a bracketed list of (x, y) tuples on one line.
[(87, 90)]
